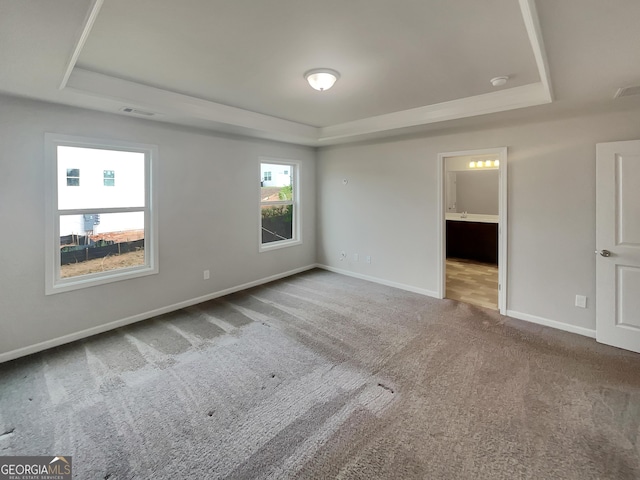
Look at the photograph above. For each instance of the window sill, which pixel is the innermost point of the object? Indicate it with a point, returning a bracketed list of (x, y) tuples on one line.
[(92, 280), (265, 247)]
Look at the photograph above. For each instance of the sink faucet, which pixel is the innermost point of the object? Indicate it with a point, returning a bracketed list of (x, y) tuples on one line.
[(463, 214)]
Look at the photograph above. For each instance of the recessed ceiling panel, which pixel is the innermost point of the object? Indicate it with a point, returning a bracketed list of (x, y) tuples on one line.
[(36, 39), (592, 46), (392, 56)]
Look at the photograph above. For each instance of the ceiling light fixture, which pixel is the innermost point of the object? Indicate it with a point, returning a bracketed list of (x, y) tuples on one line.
[(322, 78), (499, 81)]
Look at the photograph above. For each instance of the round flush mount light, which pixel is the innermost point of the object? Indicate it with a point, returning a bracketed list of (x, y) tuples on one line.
[(321, 78), (499, 81)]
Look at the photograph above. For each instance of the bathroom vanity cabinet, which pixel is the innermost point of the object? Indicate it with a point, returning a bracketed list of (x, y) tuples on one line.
[(474, 237)]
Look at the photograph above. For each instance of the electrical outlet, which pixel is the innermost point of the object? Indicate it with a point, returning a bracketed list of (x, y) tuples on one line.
[(581, 301), (355, 257), (206, 275), (368, 258)]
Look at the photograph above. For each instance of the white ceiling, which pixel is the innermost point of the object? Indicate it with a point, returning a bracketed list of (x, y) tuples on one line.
[(238, 66), (250, 55)]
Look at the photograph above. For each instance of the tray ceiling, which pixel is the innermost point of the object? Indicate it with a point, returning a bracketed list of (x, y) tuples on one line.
[(238, 66), (392, 56)]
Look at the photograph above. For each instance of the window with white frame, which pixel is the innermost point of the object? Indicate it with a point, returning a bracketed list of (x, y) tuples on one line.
[(109, 178), (279, 204), (98, 235), (73, 177)]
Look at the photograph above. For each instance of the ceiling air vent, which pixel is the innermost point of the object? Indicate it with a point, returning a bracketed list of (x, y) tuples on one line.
[(627, 91), (135, 111)]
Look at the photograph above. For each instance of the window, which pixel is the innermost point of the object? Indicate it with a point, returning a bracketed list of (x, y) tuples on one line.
[(109, 178), (98, 235), (279, 204), (73, 177)]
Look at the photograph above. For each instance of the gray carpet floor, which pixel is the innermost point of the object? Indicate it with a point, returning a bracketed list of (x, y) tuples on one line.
[(325, 376)]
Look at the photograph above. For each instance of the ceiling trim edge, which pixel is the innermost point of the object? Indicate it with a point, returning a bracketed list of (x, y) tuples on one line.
[(90, 19), (532, 24), (169, 103), (500, 101)]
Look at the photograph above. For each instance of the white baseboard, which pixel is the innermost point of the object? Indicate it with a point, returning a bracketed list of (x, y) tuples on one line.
[(510, 313), (72, 337), (381, 281), (55, 342), (587, 332)]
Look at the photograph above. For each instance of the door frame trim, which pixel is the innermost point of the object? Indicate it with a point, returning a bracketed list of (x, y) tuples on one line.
[(501, 152)]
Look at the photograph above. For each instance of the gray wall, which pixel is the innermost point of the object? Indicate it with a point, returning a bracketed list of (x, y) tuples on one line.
[(388, 209), (208, 192), (477, 191)]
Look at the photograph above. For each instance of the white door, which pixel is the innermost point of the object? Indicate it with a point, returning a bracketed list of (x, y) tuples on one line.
[(618, 244)]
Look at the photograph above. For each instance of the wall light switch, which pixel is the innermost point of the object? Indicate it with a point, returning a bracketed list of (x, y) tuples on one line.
[(206, 275), (581, 301)]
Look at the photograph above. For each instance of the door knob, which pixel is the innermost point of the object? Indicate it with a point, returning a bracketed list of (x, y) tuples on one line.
[(604, 253)]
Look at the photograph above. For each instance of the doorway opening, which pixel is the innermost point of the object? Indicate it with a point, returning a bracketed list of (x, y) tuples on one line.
[(472, 227)]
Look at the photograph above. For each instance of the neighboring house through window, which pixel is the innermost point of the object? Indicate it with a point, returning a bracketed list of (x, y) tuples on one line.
[(279, 204), (98, 235), (109, 178), (73, 177)]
